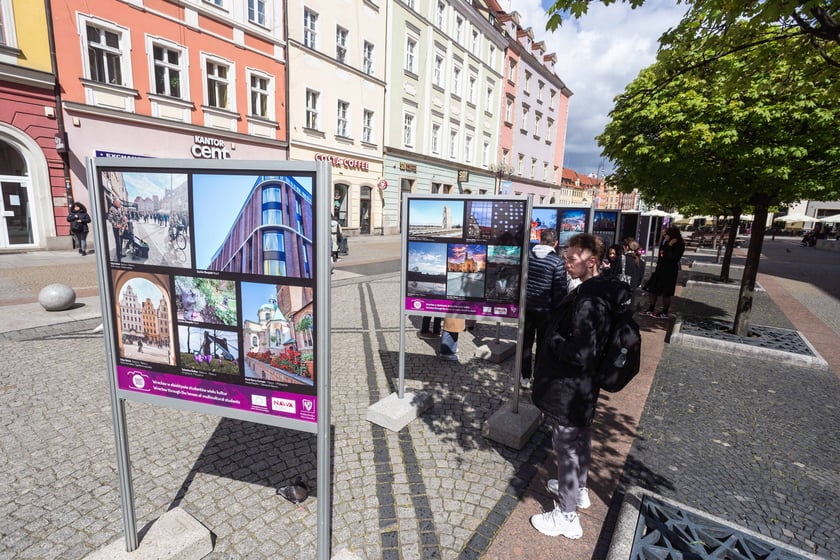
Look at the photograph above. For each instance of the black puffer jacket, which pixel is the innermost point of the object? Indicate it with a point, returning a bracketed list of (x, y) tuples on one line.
[(546, 280), (570, 352)]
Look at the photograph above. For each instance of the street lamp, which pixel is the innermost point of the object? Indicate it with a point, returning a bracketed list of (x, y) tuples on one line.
[(499, 170)]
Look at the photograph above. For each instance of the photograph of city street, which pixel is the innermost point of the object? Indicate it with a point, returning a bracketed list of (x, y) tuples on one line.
[(572, 222), (148, 217), (465, 270), (253, 224), (278, 333), (208, 350), (542, 218), (499, 222), (426, 274), (144, 323), (432, 219), (205, 300)]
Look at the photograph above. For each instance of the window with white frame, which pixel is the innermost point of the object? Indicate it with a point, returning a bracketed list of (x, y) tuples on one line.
[(262, 95), (475, 43), (410, 53), (525, 116), (471, 89), (435, 138), (533, 167), (367, 126), (540, 88), (488, 100), (410, 4), (506, 155), (408, 130), (459, 28), (367, 58), (551, 97), (437, 71), (509, 110), (312, 109), (491, 56), (453, 143), (485, 153), (456, 81), (441, 15), (218, 83), (310, 28), (549, 133), (545, 171), (256, 11), (168, 69), (537, 124), (468, 140), (7, 24), (342, 126), (527, 87), (105, 54), (341, 44), (520, 165), (512, 70), (219, 3)]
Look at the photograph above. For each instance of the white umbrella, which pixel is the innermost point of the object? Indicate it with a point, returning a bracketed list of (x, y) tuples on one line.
[(796, 218), (656, 213), (833, 219)]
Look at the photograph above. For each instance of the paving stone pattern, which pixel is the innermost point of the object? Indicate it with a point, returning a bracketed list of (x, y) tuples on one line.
[(749, 440), (437, 489), (762, 336)]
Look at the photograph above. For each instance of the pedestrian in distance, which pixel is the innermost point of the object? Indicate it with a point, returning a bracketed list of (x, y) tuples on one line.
[(335, 237), (663, 281), (425, 332), (545, 290), (612, 266), (79, 220), (635, 266), (565, 385)]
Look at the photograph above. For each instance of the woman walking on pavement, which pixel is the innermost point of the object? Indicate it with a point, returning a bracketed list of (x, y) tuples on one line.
[(663, 281), (79, 220)]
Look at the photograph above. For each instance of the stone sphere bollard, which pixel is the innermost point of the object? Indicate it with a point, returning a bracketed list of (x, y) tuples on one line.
[(56, 297)]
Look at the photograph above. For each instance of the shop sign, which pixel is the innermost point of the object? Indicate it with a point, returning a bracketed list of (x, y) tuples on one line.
[(206, 147), (338, 161), (409, 167), (382, 184), (463, 176)]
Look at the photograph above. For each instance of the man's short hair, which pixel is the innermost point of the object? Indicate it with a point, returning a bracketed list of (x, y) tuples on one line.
[(548, 236), (587, 241)]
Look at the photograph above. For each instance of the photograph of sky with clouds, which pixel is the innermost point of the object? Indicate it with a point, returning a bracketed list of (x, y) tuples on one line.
[(597, 56)]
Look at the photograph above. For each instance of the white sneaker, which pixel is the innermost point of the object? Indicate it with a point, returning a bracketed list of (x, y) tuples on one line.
[(583, 500), (556, 522), (525, 383)]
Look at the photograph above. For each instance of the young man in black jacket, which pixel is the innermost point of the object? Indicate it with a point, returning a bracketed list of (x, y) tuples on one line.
[(565, 388), (545, 290)]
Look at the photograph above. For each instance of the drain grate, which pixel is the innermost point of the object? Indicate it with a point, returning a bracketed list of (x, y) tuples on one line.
[(762, 336), (666, 532)]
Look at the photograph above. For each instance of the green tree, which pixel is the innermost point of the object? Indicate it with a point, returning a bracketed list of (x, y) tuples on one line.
[(811, 24), (751, 129)]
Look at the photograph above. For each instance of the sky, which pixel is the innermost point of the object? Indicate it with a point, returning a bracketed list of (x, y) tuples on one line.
[(597, 56)]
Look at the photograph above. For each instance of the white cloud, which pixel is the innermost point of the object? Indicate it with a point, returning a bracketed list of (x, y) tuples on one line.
[(597, 56)]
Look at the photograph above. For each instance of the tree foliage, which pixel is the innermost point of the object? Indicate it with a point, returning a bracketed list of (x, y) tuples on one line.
[(817, 22), (750, 129)]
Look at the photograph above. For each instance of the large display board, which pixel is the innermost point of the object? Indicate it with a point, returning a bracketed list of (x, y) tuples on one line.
[(464, 255), (210, 273)]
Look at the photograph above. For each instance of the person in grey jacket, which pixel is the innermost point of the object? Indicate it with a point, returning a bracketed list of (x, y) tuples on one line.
[(545, 289)]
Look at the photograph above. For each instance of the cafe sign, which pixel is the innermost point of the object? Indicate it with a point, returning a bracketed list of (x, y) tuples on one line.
[(347, 163)]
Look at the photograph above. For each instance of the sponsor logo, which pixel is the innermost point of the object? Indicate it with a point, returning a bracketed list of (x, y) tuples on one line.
[(283, 405), (416, 304), (259, 401), (487, 309), (500, 311), (140, 380), (307, 405)]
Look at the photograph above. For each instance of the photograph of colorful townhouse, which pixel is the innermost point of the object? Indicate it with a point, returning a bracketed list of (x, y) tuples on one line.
[(144, 323)]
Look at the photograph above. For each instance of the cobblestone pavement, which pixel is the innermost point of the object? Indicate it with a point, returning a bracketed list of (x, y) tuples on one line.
[(748, 440)]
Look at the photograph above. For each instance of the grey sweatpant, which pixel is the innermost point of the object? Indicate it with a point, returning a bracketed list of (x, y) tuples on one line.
[(573, 447)]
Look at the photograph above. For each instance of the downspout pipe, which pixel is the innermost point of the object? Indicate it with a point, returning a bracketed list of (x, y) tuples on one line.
[(59, 108)]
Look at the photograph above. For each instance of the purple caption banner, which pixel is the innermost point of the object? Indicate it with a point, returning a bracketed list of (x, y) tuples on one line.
[(477, 308), (206, 391)]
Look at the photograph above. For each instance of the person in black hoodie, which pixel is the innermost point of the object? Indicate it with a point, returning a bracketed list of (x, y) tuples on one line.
[(564, 385), (546, 288), (79, 220)]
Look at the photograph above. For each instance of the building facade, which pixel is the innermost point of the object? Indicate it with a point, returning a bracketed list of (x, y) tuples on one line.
[(534, 116), (445, 86), (336, 101), (171, 79), (34, 197)]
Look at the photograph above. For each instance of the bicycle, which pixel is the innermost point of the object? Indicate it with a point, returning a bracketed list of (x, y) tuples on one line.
[(177, 236)]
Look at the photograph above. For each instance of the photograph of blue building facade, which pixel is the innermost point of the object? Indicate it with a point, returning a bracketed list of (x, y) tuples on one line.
[(272, 234)]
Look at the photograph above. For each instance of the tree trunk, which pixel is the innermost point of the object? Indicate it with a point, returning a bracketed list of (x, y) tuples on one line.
[(741, 325), (730, 245)]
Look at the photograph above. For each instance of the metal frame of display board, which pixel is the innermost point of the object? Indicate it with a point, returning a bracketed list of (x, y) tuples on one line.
[(320, 174), (524, 251)]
